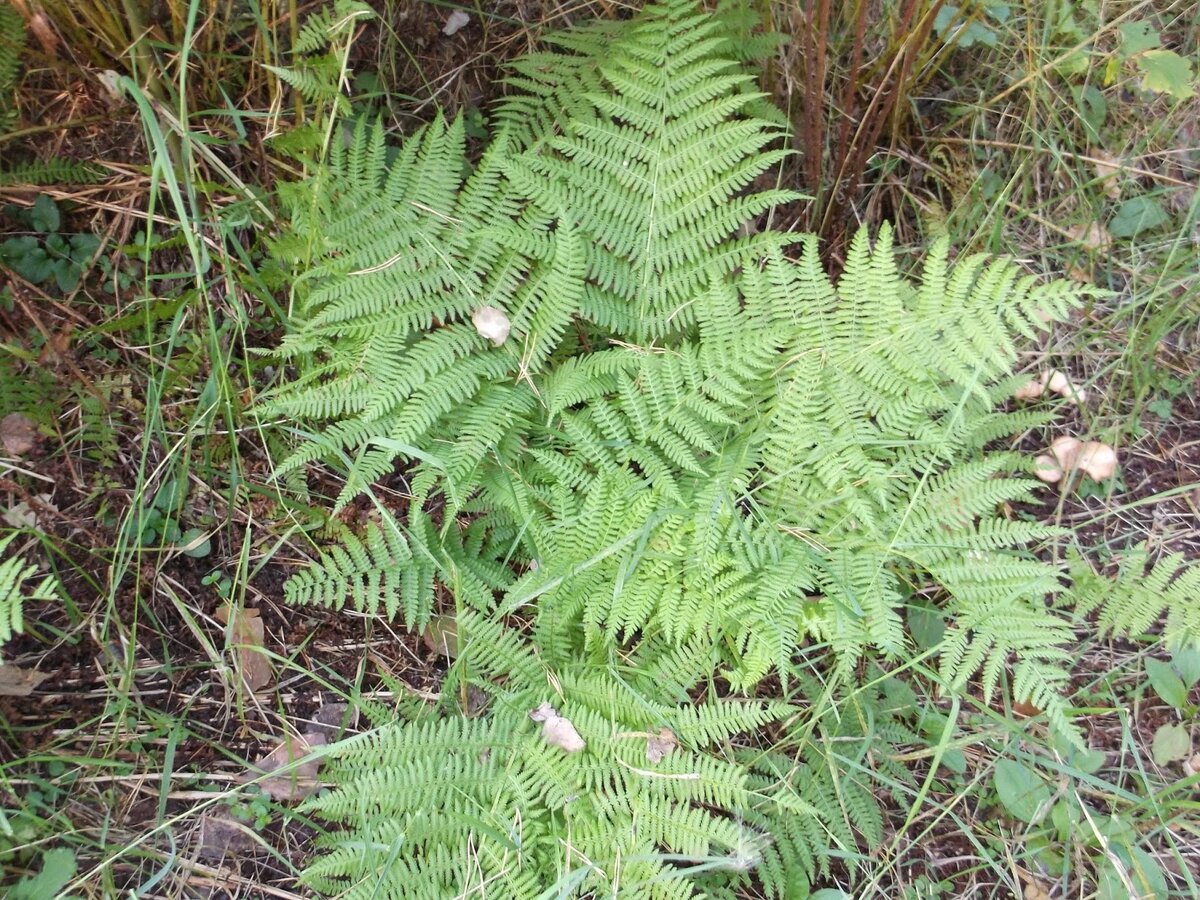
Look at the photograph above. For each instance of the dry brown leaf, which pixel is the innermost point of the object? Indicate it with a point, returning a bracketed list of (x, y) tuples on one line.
[(17, 433), (299, 780), (1093, 236), (659, 745), (36, 21), (247, 635), (1108, 171), (556, 730), (221, 836), (492, 324), (441, 636), (18, 682)]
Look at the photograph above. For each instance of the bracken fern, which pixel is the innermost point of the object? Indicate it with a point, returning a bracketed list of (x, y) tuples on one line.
[(693, 457)]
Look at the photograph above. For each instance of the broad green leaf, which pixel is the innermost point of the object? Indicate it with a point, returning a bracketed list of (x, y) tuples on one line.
[(926, 625), (58, 867), (1167, 683), (1137, 36), (955, 760), (1166, 72), (44, 216), (1020, 789), (1143, 873), (1187, 664), (1171, 743), (1135, 216), (195, 543)]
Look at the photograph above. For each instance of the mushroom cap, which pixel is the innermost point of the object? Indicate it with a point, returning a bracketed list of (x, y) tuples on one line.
[(1058, 382), (1047, 468), (1098, 460), (492, 324), (1031, 390), (1065, 449)]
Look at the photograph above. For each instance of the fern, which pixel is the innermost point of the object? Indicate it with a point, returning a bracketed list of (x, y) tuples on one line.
[(16, 591), (52, 171), (12, 45), (453, 803), (693, 457), (1141, 595)]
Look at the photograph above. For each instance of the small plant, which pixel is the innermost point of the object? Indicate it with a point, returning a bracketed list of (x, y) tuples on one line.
[(46, 256), (17, 588)]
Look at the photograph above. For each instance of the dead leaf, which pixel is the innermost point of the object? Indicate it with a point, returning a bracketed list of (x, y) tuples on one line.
[(456, 21), (1093, 236), (1108, 171), (331, 718), (659, 745), (221, 836), (299, 780), (492, 324), (18, 682), (246, 636), (556, 730), (441, 636), (25, 516), (1026, 709), (17, 433)]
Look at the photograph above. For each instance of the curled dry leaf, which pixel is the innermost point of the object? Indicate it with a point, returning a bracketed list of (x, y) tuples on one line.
[(1092, 236), (557, 731), (441, 636), (299, 780), (221, 835), (455, 22), (492, 324), (1108, 171), (247, 635), (659, 745), (17, 433)]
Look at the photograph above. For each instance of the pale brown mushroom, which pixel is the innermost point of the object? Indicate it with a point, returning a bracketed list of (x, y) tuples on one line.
[(1098, 460), (1031, 390), (1047, 468), (1065, 449)]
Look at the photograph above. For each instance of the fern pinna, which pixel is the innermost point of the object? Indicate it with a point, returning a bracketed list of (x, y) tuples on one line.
[(687, 458)]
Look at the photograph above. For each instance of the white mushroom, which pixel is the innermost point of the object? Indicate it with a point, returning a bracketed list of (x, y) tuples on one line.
[(492, 324)]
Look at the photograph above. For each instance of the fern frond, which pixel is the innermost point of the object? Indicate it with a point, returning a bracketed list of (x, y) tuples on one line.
[(16, 590), (1141, 597)]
